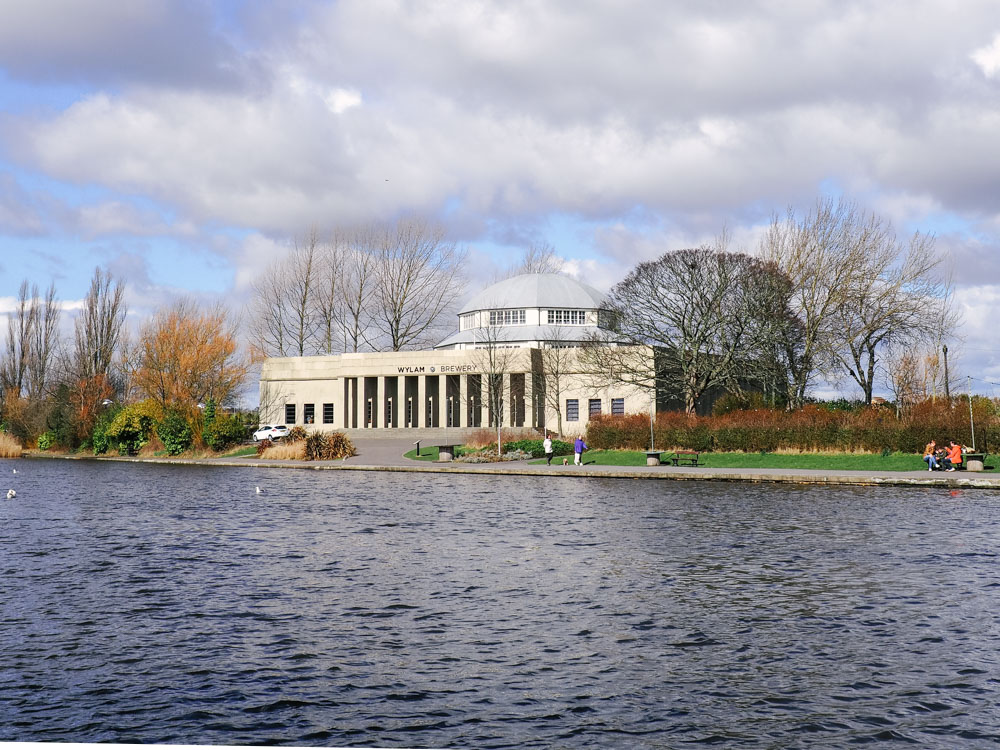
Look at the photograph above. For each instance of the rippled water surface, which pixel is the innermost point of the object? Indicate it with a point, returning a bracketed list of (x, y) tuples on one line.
[(174, 604)]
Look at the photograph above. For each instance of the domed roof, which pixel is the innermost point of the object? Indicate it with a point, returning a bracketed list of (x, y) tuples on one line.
[(535, 290)]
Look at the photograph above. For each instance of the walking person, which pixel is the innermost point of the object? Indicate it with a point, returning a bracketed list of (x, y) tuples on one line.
[(578, 448), (547, 447)]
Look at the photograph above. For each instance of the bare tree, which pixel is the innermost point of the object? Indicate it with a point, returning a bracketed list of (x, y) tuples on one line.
[(98, 336), (557, 360), (900, 368), (32, 340), (283, 315), (99, 326), (44, 341), (358, 284), (856, 289), (329, 297), (537, 258), (821, 254), (20, 328), (703, 312), (898, 298), (418, 280), (495, 358)]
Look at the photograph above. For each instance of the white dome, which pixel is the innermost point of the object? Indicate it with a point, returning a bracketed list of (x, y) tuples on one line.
[(533, 290)]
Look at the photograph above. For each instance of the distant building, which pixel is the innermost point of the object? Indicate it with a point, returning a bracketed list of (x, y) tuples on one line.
[(446, 387)]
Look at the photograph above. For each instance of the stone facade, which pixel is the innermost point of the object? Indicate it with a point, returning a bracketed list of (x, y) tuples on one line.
[(399, 391)]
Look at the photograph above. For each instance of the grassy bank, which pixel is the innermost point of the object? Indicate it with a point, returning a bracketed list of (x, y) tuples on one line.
[(821, 461)]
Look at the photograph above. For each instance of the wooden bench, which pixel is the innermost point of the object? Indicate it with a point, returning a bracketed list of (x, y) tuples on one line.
[(690, 458)]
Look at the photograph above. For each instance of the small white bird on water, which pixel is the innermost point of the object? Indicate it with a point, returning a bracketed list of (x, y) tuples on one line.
[(258, 489), (15, 471), (11, 494)]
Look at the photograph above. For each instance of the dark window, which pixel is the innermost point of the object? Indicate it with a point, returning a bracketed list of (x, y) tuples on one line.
[(572, 410), (289, 413), (594, 406), (327, 413), (618, 406), (309, 413)]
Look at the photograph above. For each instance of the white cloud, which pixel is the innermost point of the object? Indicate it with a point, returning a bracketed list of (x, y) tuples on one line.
[(988, 58)]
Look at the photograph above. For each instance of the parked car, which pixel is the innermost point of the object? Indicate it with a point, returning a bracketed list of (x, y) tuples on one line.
[(268, 432)]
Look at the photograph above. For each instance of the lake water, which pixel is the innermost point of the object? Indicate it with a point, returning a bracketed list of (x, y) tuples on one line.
[(171, 604)]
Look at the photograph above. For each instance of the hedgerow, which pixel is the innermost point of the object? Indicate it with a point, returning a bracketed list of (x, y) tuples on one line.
[(812, 428)]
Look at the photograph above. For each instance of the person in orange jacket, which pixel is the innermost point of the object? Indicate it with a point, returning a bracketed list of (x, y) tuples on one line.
[(954, 456)]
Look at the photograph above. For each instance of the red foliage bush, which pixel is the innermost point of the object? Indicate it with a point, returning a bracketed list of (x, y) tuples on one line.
[(812, 428)]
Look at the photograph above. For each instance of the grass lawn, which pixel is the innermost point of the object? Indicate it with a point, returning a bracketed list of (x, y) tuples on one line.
[(827, 461), (246, 450), (430, 452)]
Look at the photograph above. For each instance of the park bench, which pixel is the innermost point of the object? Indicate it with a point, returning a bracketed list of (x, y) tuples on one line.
[(689, 458)]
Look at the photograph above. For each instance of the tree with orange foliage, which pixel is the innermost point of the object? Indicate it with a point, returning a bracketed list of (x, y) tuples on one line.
[(186, 355)]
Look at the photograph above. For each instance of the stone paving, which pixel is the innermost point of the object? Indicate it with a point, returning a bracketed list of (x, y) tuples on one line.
[(386, 454)]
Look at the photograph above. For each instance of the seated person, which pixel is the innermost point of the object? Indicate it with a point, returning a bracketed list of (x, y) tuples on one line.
[(929, 457), (942, 458), (954, 455)]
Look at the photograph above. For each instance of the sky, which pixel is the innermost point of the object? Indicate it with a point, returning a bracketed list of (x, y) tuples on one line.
[(184, 144)]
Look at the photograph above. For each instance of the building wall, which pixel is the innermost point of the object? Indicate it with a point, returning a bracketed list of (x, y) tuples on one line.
[(399, 391)]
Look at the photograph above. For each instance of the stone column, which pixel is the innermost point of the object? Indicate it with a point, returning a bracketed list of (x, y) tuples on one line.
[(339, 402), (529, 401), (442, 400), (508, 402), (420, 408), (463, 402), (380, 414)]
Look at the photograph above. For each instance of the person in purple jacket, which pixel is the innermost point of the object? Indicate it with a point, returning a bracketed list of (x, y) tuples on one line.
[(578, 448)]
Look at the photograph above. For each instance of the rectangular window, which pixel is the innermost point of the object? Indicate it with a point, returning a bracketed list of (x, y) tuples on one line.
[(567, 317), (327, 413), (572, 410), (618, 407), (309, 413), (594, 406), (289, 413), (507, 317)]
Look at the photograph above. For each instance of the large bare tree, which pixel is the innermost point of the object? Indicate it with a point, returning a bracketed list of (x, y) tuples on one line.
[(32, 339), (419, 278), (283, 314), (557, 360), (495, 357), (99, 326), (538, 257), (697, 319), (898, 299), (98, 342), (855, 289)]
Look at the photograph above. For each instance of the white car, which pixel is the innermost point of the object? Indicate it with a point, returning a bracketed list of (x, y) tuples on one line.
[(270, 433)]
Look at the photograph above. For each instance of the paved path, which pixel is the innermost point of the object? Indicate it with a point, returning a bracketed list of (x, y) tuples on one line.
[(386, 454)]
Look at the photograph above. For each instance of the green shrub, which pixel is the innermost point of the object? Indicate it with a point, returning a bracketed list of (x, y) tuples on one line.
[(536, 449), (46, 440), (132, 426), (208, 416), (175, 432), (99, 440), (223, 431)]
